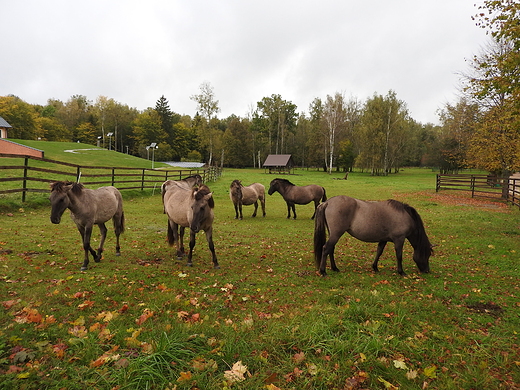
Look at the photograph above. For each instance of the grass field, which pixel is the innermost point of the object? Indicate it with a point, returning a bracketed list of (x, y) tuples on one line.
[(265, 320)]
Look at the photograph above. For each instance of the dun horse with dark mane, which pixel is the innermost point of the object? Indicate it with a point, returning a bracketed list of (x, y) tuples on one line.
[(293, 194), (88, 208), (246, 196), (379, 222), (189, 208)]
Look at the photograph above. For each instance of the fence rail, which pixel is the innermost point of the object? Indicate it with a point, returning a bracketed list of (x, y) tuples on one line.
[(484, 186), (36, 177)]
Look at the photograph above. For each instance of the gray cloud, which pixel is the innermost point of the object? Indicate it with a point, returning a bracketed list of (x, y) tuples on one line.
[(136, 51)]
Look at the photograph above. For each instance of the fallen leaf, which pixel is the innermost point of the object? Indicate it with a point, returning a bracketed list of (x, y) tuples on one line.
[(387, 384), (400, 364), (430, 371), (236, 374)]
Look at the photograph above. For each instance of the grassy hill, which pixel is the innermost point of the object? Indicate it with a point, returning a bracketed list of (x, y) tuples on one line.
[(85, 154)]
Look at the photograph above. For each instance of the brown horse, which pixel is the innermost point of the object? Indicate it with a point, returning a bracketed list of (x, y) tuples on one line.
[(246, 196), (88, 208), (188, 182), (378, 222), (193, 208), (293, 194)]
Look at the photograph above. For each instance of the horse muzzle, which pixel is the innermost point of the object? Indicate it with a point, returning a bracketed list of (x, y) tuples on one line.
[(55, 220)]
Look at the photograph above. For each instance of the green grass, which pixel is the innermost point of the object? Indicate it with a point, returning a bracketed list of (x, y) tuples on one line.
[(146, 321)]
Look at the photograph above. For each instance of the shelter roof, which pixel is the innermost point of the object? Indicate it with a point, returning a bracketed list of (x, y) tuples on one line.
[(3, 123), (278, 160)]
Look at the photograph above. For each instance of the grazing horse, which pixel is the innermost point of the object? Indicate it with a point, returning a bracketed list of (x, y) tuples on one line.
[(245, 196), (193, 208), (378, 222), (88, 208), (293, 194)]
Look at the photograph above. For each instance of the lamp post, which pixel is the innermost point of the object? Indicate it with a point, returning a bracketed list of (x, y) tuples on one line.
[(153, 146), (109, 135), (99, 141)]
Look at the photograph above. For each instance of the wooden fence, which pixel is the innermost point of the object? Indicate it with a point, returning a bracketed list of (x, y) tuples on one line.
[(484, 186), (35, 174)]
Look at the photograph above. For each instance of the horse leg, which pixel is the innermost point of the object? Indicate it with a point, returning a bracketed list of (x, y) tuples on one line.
[(290, 206), (209, 239), (256, 208), (316, 203), (240, 210), (399, 255), (180, 241), (380, 248), (118, 229), (236, 210), (262, 203), (328, 250), (85, 233), (103, 231), (192, 245)]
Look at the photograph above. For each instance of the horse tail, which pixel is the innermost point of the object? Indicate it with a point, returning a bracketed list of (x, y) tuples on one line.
[(170, 234), (121, 222), (319, 233), (324, 197)]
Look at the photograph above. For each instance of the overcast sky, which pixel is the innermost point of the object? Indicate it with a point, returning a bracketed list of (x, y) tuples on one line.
[(136, 51)]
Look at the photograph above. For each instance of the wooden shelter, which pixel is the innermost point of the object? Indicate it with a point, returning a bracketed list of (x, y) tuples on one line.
[(279, 163)]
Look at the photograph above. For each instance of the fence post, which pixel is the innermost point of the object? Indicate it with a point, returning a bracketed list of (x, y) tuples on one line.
[(24, 186), (142, 180), (472, 186)]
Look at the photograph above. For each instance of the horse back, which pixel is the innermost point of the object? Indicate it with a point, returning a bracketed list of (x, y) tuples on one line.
[(380, 221), (99, 205), (176, 204), (252, 193), (305, 194)]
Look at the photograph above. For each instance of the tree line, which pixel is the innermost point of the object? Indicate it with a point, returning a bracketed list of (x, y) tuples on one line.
[(480, 130)]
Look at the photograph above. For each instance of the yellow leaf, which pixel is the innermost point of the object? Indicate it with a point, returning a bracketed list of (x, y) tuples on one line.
[(400, 364), (362, 357), (430, 371), (387, 384), (23, 375), (272, 387)]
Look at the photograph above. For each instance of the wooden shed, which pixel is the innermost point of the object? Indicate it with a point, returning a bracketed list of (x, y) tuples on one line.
[(279, 163), (3, 127)]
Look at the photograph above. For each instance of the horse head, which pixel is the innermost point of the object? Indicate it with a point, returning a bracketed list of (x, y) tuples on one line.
[(273, 186), (236, 189), (201, 206), (421, 256), (59, 198)]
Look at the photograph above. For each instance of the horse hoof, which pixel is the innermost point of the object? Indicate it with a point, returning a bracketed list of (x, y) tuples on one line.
[(216, 267), (84, 268), (190, 264), (118, 254), (97, 259), (335, 269)]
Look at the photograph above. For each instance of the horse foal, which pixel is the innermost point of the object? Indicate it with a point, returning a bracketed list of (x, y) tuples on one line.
[(246, 196), (88, 208)]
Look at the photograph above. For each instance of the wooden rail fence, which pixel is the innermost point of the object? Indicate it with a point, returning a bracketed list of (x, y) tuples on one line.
[(486, 186), (35, 175)]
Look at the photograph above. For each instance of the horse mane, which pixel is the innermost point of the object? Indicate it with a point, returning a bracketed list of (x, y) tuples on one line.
[(423, 245), (285, 181), (238, 182), (201, 192), (59, 186)]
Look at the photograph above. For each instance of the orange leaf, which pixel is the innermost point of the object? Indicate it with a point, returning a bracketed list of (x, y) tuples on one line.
[(147, 313), (184, 376)]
